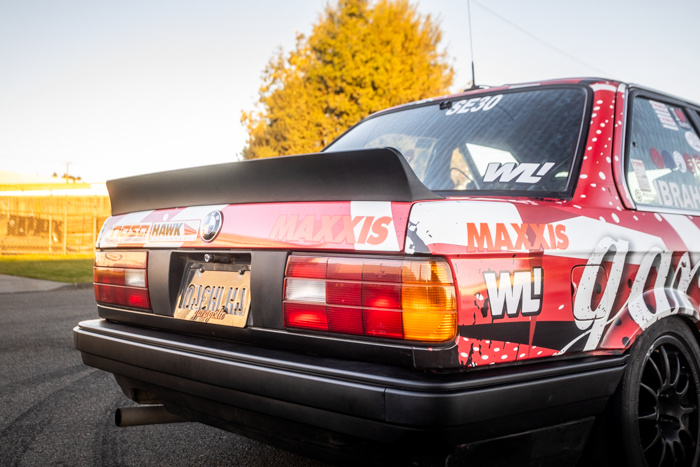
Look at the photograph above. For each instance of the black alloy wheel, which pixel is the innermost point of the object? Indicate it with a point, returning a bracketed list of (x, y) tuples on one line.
[(655, 412), (668, 406)]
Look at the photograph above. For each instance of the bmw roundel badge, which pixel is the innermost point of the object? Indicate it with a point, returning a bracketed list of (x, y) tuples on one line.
[(211, 225)]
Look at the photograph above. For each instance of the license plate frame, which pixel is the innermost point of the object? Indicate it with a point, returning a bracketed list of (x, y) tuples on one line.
[(215, 294)]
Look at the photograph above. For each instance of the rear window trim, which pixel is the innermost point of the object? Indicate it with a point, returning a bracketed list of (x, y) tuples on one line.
[(694, 116), (566, 194)]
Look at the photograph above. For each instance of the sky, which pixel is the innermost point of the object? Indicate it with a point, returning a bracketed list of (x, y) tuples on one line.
[(123, 88)]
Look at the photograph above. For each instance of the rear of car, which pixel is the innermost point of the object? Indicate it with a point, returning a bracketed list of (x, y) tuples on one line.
[(420, 292)]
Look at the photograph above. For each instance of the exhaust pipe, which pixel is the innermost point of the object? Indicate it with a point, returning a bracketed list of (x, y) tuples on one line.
[(146, 415)]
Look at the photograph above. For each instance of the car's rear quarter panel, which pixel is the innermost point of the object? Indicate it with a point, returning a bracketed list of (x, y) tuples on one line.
[(584, 307)]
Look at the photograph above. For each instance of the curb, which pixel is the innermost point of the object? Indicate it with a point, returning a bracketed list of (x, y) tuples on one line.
[(76, 286)]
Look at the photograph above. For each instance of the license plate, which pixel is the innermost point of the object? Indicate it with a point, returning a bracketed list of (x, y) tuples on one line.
[(215, 297)]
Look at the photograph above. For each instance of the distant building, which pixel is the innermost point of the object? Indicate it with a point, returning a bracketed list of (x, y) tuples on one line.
[(14, 178), (40, 214)]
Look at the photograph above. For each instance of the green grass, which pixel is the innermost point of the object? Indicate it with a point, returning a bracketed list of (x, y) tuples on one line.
[(71, 269)]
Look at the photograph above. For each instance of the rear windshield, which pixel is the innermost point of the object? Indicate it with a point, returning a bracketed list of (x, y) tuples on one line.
[(518, 141)]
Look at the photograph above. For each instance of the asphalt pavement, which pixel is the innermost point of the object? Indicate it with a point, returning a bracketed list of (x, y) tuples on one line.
[(15, 284), (55, 411)]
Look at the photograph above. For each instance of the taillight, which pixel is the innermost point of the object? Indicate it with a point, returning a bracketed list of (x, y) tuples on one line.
[(121, 278), (401, 299)]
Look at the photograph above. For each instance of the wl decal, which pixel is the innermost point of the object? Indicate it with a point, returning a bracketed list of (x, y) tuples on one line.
[(525, 173), (516, 293), (544, 237)]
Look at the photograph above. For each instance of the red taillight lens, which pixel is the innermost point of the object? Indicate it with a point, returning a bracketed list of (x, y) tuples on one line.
[(126, 296), (381, 296), (137, 298), (383, 323), (345, 269), (121, 278), (382, 271), (400, 299), (345, 320), (304, 266), (298, 315), (110, 294), (344, 293), (108, 275)]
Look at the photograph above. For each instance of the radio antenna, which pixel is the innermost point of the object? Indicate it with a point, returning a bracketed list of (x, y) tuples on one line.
[(471, 44)]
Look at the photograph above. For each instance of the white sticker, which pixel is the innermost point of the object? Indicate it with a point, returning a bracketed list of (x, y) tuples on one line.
[(641, 173), (525, 173), (378, 216), (680, 162), (664, 115), (474, 105), (693, 140), (467, 106)]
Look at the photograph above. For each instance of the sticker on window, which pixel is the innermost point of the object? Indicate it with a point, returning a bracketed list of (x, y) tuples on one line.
[(669, 162), (525, 173), (680, 118), (678, 195), (664, 115), (475, 105), (680, 163), (641, 173), (693, 140), (657, 159), (689, 162)]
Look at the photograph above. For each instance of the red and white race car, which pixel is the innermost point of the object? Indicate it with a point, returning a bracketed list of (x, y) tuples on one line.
[(449, 280)]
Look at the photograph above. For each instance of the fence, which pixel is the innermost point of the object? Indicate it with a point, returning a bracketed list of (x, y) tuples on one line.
[(51, 224)]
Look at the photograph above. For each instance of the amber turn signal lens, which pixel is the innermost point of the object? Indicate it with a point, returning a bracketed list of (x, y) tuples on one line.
[(429, 326), (429, 312), (426, 272), (428, 298)]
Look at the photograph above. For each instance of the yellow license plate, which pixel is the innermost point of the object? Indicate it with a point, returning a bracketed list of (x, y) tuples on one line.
[(215, 297)]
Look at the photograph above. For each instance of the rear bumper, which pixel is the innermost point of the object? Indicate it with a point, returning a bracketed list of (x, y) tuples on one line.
[(204, 379)]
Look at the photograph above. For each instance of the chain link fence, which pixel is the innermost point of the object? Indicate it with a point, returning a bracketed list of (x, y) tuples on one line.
[(51, 224)]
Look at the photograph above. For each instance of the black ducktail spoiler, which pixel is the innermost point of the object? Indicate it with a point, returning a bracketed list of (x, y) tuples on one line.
[(362, 175)]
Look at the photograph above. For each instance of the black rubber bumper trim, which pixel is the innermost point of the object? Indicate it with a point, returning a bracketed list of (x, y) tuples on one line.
[(368, 391)]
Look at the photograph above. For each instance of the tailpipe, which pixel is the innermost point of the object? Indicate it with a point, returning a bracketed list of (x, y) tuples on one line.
[(146, 415)]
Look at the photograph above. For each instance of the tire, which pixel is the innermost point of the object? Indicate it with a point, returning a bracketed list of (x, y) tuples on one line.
[(655, 407)]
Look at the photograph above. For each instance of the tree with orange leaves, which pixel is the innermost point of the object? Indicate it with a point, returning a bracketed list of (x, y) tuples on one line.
[(361, 57)]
